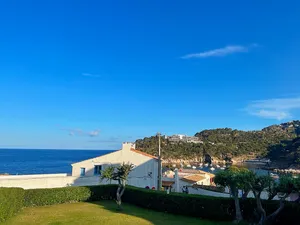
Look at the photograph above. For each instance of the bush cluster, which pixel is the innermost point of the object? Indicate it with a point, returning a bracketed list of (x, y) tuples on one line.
[(205, 207), (11, 202), (52, 196)]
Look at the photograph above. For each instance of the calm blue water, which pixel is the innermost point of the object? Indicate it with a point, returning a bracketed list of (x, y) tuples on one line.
[(25, 161), (254, 168)]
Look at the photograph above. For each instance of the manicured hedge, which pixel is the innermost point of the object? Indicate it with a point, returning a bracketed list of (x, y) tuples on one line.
[(52, 196), (103, 192), (207, 207), (11, 202)]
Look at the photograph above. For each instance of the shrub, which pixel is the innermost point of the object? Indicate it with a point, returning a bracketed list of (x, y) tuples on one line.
[(11, 202), (207, 207), (40, 197), (103, 192), (288, 215)]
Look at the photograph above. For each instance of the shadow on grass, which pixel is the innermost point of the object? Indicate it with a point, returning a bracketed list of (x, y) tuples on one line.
[(154, 217)]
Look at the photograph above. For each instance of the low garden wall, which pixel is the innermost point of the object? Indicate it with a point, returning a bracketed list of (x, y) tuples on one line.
[(13, 200)]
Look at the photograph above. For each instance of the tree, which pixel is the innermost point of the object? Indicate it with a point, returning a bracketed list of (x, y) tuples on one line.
[(235, 178), (108, 174), (121, 174), (258, 184)]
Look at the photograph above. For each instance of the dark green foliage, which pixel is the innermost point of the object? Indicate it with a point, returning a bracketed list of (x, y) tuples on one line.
[(189, 205), (289, 214), (40, 197), (121, 175), (287, 150), (225, 143), (123, 171), (102, 192), (108, 174), (207, 207), (235, 178), (11, 202)]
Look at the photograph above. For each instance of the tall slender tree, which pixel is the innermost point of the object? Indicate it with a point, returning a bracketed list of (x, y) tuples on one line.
[(235, 178), (120, 174)]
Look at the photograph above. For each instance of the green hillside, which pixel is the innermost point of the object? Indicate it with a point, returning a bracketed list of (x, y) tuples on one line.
[(225, 142)]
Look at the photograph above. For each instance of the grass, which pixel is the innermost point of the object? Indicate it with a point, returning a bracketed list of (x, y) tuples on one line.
[(103, 213)]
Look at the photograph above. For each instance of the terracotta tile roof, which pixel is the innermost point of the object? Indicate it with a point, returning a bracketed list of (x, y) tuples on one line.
[(143, 153), (196, 172), (167, 183), (193, 178), (211, 175)]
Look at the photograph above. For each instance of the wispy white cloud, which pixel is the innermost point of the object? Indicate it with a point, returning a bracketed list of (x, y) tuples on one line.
[(80, 132), (219, 52), (94, 133), (277, 108), (91, 75)]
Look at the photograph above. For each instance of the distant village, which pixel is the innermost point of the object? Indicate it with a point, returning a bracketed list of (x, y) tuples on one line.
[(183, 138)]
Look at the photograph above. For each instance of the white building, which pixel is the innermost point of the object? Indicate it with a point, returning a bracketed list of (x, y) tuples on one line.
[(183, 138), (88, 172), (145, 166), (200, 179)]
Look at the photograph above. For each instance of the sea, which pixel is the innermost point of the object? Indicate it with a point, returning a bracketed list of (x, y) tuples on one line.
[(254, 167), (40, 161)]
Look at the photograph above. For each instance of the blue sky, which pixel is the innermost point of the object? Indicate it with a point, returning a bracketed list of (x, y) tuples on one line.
[(91, 74)]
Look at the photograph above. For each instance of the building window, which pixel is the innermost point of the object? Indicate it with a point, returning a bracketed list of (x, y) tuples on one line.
[(82, 172), (97, 170)]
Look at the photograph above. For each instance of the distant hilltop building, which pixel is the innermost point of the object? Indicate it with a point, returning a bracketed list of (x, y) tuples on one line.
[(183, 138)]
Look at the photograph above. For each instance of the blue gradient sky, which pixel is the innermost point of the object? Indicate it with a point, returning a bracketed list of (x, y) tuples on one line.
[(90, 74)]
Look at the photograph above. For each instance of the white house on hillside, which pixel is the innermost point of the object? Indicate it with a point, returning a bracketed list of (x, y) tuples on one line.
[(145, 166)]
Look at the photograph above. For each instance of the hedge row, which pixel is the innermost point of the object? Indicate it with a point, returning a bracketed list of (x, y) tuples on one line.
[(52, 196), (206, 207), (11, 202)]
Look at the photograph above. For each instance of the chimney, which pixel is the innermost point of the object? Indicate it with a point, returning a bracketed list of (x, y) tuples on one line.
[(126, 146)]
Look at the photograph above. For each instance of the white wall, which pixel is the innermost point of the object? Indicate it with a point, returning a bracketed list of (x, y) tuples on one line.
[(36, 181), (200, 191), (62, 180), (144, 174)]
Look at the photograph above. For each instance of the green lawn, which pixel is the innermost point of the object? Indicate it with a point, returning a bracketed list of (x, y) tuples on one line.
[(103, 213)]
